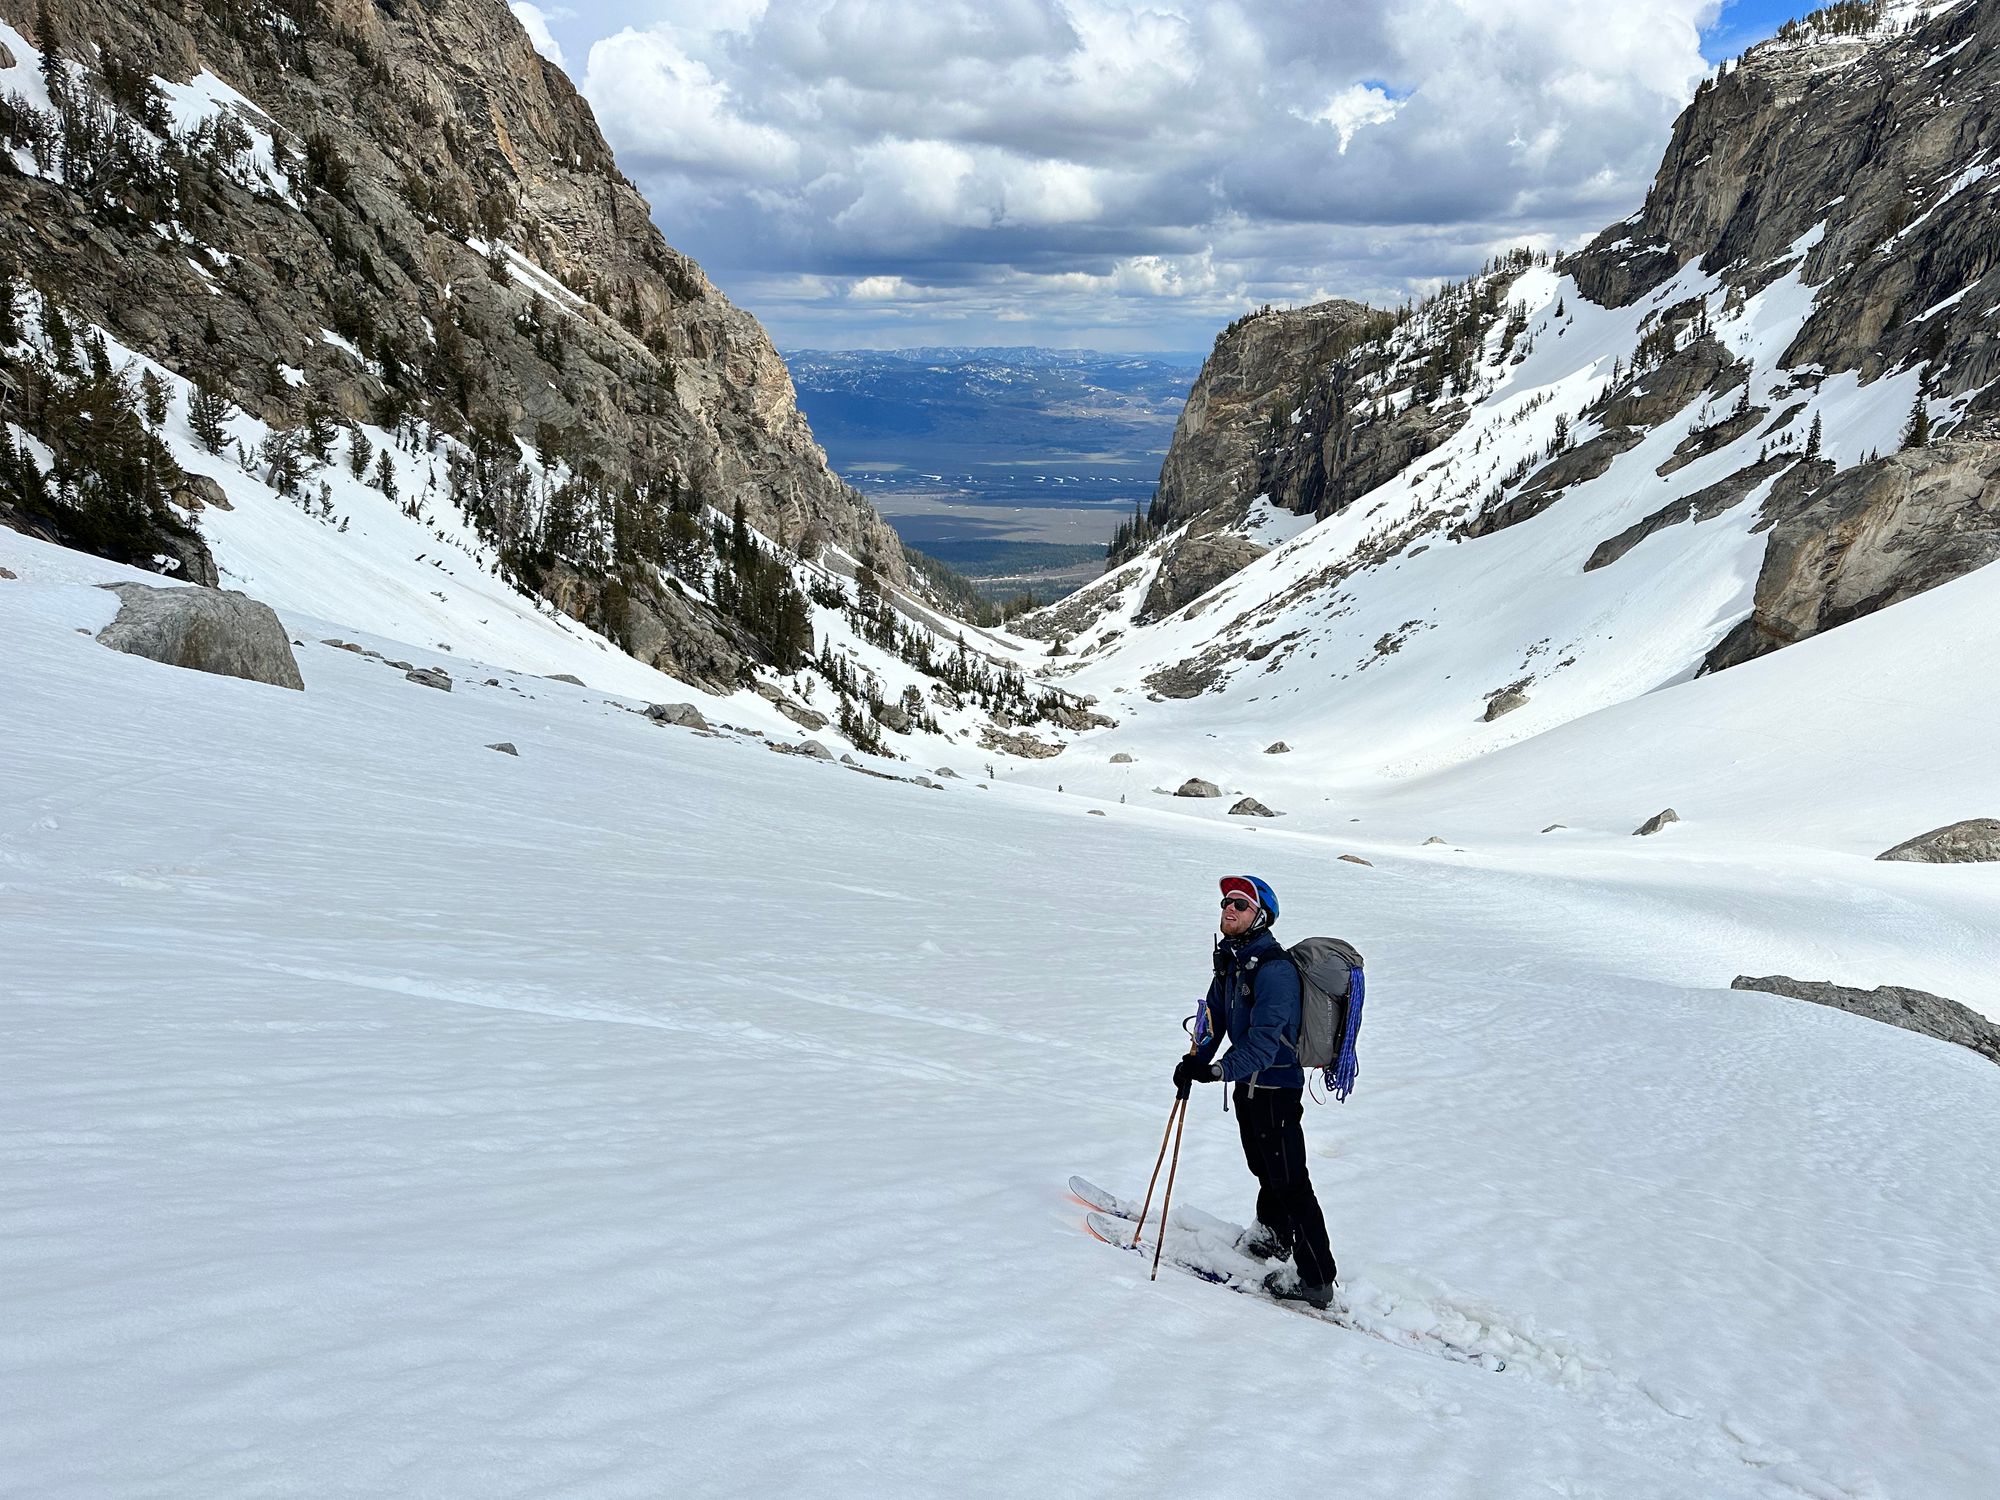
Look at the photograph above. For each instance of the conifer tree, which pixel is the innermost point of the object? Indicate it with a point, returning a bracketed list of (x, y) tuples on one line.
[(1917, 433), (208, 409)]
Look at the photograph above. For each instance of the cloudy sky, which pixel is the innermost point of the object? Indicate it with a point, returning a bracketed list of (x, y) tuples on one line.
[(1124, 174)]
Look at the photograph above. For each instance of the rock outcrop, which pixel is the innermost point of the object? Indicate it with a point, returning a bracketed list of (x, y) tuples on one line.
[(204, 630), (1654, 824), (1912, 1010), (1973, 841), (1867, 537)]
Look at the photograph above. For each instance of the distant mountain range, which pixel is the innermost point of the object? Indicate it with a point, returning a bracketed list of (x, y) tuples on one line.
[(1012, 464)]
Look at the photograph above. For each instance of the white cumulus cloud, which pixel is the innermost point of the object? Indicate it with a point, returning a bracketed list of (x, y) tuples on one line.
[(536, 24)]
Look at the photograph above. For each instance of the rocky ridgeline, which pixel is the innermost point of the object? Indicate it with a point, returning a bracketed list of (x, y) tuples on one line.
[(1861, 149), (417, 222)]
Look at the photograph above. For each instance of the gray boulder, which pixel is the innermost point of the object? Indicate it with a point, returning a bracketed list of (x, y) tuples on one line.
[(1555, 828), (1974, 841), (1655, 823), (1355, 859), (686, 715), (1913, 1010), (1250, 807), (1121, 759), (505, 747), (1194, 786), (205, 630), (1503, 702), (431, 677), (815, 749), (565, 677), (946, 772), (1278, 747), (1433, 839)]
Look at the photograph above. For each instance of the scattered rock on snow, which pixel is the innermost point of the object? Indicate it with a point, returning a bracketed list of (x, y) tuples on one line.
[(1194, 786), (1913, 1010), (1250, 807), (686, 715), (205, 630), (505, 747), (1973, 841), (1655, 823), (431, 677)]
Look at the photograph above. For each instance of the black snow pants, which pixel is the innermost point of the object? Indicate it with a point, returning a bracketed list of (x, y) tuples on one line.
[(1274, 1144)]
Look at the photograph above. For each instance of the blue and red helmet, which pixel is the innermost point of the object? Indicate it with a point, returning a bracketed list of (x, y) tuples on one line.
[(1250, 888)]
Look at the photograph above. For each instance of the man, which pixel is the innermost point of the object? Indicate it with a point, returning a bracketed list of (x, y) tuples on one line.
[(1253, 1000)]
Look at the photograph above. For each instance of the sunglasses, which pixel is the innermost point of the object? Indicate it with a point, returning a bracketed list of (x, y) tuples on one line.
[(1237, 903)]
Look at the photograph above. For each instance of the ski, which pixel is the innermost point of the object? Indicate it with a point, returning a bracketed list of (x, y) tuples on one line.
[(1115, 1230)]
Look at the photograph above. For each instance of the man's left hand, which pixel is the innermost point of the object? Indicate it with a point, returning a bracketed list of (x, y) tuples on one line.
[(1189, 1070)]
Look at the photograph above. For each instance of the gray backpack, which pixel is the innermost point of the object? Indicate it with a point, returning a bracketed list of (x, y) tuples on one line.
[(1331, 987)]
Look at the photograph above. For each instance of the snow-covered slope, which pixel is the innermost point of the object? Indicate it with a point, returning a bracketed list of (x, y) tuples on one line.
[(653, 1114), (1373, 642)]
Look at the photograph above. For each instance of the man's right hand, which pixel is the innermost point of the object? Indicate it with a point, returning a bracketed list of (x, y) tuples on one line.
[(1188, 1072)]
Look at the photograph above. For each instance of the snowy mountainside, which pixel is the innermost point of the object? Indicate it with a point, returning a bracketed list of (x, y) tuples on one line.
[(651, 1113), (1757, 411), (358, 219), (391, 558)]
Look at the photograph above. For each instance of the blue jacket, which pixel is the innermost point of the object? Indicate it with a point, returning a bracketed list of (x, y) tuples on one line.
[(1254, 1002)]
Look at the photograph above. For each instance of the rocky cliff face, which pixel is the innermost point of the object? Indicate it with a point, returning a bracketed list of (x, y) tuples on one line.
[(1857, 155), (401, 213)]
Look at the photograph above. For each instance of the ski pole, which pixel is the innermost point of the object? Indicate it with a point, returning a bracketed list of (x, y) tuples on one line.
[(1167, 1199), (1180, 1102)]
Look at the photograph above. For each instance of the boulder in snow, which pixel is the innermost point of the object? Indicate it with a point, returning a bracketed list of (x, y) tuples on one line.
[(814, 749), (431, 677), (946, 772), (1655, 823), (1250, 807), (205, 630), (686, 715), (1974, 841), (1503, 702), (1277, 747), (565, 677), (505, 747), (1433, 839), (1194, 786), (1355, 859), (1913, 1010), (1121, 759)]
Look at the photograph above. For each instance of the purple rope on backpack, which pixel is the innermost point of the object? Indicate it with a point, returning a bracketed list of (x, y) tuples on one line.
[(1340, 1077)]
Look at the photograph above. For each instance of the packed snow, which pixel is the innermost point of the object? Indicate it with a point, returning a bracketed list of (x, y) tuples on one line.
[(649, 1113)]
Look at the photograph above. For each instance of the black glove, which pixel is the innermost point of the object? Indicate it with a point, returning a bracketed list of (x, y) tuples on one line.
[(1190, 1070)]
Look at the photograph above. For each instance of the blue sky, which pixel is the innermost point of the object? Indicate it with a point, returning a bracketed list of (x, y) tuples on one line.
[(1125, 174)]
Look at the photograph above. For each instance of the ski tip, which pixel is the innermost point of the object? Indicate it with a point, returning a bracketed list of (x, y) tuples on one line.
[(1108, 1230)]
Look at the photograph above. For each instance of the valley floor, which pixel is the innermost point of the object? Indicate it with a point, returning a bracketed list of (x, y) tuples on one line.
[(652, 1114)]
